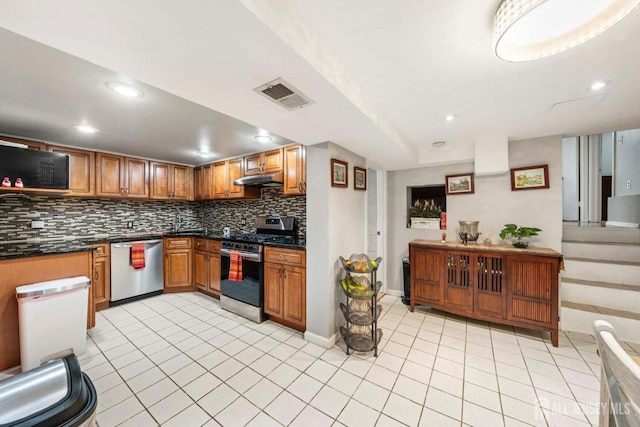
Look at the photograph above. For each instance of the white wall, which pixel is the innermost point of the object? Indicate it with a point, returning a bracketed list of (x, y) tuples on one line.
[(336, 226), (570, 179), (493, 203), (627, 157)]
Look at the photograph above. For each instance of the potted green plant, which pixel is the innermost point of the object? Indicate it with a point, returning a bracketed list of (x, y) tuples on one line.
[(425, 214), (519, 236)]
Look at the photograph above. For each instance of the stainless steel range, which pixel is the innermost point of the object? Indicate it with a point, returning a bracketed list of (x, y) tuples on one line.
[(245, 296)]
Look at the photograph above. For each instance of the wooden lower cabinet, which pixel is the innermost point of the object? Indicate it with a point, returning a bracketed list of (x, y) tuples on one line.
[(497, 284), (101, 282), (285, 286), (178, 264), (23, 271), (206, 266)]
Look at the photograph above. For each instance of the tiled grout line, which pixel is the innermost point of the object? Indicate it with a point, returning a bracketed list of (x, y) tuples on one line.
[(522, 338)]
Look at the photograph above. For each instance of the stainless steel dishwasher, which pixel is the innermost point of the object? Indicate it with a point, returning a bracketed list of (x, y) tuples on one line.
[(127, 282)]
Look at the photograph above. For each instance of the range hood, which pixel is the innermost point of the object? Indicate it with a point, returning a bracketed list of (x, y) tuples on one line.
[(269, 180)]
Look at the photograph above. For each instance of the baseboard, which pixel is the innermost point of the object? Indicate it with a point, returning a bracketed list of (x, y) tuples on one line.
[(394, 292), (622, 224), (319, 340)]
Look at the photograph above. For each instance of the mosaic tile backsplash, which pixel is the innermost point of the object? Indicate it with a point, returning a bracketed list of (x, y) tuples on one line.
[(229, 213), (79, 217)]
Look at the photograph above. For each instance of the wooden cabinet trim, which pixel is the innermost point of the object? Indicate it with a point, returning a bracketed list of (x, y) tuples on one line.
[(295, 257)]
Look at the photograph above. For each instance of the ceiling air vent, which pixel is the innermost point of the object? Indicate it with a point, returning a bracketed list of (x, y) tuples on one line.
[(284, 94)]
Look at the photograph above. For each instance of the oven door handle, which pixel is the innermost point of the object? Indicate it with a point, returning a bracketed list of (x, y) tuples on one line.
[(245, 255)]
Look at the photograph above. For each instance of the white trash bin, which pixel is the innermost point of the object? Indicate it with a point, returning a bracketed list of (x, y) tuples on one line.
[(52, 320)]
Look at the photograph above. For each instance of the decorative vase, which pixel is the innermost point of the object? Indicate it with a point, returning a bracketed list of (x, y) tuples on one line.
[(469, 231)]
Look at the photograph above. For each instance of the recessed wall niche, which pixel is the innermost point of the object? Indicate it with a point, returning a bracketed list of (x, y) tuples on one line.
[(425, 193)]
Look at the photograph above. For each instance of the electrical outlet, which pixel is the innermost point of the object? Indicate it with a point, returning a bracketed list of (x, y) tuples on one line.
[(628, 184), (243, 221), (37, 224), (129, 224)]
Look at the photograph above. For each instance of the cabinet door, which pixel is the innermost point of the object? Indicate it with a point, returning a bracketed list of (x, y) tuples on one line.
[(426, 276), (459, 289), (137, 178), (177, 268), (181, 177), (101, 282), (273, 161), (109, 175), (273, 289), (533, 288), (82, 170), (198, 189), (489, 293), (236, 171), (220, 180), (200, 269), (295, 170), (253, 164), (214, 272), (294, 292), (160, 181)]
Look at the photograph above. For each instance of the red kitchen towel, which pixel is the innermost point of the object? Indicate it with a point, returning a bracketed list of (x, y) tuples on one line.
[(137, 256), (235, 267)]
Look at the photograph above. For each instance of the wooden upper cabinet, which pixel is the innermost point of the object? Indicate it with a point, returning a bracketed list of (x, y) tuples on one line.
[(170, 181), (224, 173), (118, 176), (295, 170), (82, 170), (203, 182), (32, 145), (265, 162)]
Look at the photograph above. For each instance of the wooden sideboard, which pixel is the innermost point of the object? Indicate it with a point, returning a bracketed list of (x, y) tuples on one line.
[(500, 284)]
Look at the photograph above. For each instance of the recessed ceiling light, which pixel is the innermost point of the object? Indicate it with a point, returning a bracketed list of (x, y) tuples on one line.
[(450, 117), (524, 30), (205, 154), (263, 138), (86, 129), (125, 89), (438, 144), (599, 84)]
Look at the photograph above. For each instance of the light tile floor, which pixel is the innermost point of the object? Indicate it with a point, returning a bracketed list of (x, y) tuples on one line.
[(180, 360)]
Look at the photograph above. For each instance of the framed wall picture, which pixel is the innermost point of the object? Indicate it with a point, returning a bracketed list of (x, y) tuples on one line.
[(530, 178), (359, 178), (339, 173), (459, 184)]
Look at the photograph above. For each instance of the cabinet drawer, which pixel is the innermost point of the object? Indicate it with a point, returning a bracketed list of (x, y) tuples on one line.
[(285, 256), (200, 244), (102, 249), (213, 246), (177, 243)]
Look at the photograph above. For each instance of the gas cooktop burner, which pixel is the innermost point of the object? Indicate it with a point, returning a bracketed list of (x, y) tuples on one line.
[(260, 238)]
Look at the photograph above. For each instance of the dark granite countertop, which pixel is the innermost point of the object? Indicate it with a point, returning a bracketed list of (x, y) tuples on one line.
[(24, 250), (27, 250)]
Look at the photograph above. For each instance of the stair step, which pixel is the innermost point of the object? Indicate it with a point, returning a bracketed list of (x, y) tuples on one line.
[(602, 261), (601, 310), (580, 317), (626, 273), (612, 295), (607, 285), (627, 252), (575, 232)]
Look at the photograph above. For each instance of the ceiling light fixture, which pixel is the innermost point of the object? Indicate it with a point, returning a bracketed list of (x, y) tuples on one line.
[(599, 85), (438, 144), (205, 154), (524, 30), (263, 138), (125, 89), (86, 129), (450, 117)]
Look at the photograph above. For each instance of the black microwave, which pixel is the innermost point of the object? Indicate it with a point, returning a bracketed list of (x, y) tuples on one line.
[(36, 169)]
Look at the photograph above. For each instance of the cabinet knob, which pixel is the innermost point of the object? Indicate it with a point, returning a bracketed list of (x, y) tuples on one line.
[(304, 187), (95, 274)]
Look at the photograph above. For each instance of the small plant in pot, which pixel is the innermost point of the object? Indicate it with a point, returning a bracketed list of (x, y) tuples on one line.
[(519, 236), (425, 209)]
